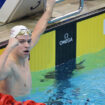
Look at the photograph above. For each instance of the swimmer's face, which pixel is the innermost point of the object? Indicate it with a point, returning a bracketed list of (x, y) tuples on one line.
[(23, 49)]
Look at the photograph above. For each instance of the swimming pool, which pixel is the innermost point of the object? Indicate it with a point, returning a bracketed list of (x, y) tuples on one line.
[(84, 86), (54, 79)]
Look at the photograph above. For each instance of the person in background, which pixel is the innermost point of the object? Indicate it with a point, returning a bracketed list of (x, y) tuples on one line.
[(15, 74)]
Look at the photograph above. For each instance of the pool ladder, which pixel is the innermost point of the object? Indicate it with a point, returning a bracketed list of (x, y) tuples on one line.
[(68, 14)]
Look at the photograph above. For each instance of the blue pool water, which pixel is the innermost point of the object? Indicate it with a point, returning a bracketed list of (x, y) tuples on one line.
[(87, 88), (84, 86)]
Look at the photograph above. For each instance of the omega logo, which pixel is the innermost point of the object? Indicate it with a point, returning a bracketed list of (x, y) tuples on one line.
[(66, 40)]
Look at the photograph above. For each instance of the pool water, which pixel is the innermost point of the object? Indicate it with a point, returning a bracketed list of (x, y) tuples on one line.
[(84, 86)]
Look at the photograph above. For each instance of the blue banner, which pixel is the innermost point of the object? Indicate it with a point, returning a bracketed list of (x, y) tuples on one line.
[(1, 3)]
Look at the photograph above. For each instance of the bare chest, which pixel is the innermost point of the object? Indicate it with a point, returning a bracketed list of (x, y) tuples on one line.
[(21, 77)]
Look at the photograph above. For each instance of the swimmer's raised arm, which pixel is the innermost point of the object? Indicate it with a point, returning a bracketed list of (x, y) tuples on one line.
[(43, 21), (4, 70)]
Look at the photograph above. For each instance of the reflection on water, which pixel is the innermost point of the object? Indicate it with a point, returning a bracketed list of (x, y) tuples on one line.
[(83, 86), (61, 76)]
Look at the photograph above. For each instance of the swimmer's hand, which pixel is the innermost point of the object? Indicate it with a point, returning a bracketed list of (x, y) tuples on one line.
[(13, 42), (50, 4)]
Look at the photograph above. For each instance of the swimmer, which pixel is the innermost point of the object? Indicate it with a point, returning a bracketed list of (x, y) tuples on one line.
[(15, 77)]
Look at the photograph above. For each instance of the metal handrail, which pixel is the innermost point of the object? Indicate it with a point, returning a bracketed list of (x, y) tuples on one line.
[(69, 14)]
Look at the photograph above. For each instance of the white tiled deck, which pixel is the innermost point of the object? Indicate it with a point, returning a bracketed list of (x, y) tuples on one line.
[(61, 8)]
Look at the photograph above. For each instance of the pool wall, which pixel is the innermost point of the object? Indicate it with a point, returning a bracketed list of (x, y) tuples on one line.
[(54, 48), (67, 40), (90, 35)]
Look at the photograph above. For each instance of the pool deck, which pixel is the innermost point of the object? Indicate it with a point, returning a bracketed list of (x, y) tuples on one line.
[(60, 9)]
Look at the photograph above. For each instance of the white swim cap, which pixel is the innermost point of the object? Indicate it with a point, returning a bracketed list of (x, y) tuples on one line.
[(20, 30)]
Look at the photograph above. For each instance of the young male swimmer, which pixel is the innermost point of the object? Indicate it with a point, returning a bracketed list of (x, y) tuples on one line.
[(15, 74)]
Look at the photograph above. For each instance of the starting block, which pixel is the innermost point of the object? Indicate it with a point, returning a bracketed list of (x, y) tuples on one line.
[(11, 10)]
